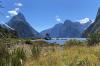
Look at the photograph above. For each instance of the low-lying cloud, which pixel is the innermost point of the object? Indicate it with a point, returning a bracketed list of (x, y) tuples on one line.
[(58, 19), (85, 20), (14, 11)]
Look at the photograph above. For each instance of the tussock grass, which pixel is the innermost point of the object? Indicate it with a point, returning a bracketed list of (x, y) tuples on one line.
[(42, 54), (72, 56)]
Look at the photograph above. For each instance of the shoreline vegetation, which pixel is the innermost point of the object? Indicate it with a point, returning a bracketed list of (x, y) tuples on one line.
[(24, 52)]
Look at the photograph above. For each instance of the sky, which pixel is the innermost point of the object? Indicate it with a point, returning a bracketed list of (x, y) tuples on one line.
[(44, 14)]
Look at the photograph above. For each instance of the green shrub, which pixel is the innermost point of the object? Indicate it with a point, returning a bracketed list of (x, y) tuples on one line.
[(93, 39), (28, 42), (73, 43)]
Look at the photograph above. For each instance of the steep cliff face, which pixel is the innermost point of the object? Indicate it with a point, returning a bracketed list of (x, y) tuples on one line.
[(70, 29), (23, 28), (95, 27)]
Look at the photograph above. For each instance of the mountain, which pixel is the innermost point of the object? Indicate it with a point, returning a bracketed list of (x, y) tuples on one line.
[(94, 27), (68, 29), (54, 32), (23, 28), (5, 33)]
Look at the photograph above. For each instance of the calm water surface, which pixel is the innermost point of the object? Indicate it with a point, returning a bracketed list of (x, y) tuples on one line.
[(62, 40)]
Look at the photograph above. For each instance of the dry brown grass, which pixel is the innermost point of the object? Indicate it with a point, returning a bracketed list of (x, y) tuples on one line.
[(73, 56)]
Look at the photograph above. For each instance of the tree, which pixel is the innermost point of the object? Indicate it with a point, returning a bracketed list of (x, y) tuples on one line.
[(47, 36), (93, 39)]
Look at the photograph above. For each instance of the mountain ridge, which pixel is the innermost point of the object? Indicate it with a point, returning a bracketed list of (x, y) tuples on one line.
[(68, 29)]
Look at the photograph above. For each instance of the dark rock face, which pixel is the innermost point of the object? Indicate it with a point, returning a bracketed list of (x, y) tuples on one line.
[(94, 27), (67, 30), (22, 27), (70, 29)]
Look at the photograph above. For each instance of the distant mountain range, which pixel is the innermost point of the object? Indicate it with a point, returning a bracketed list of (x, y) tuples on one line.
[(22, 27), (68, 29), (94, 27)]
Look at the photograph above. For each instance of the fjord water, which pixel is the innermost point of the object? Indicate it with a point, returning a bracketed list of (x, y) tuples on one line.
[(61, 41)]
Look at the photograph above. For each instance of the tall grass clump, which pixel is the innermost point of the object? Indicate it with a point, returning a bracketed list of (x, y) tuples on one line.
[(4, 55), (35, 52), (18, 57), (93, 39)]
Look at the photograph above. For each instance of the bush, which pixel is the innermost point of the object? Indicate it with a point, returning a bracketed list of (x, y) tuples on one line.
[(73, 43), (28, 42), (93, 39)]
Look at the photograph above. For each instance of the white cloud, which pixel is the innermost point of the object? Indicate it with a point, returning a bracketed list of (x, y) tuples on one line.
[(7, 16), (58, 19), (14, 11), (85, 20), (19, 4)]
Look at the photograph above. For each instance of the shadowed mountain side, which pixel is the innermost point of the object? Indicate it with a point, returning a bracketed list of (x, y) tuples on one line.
[(22, 27), (95, 27)]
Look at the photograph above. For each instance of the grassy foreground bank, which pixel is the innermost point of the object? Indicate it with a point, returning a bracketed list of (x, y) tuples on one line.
[(17, 52)]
